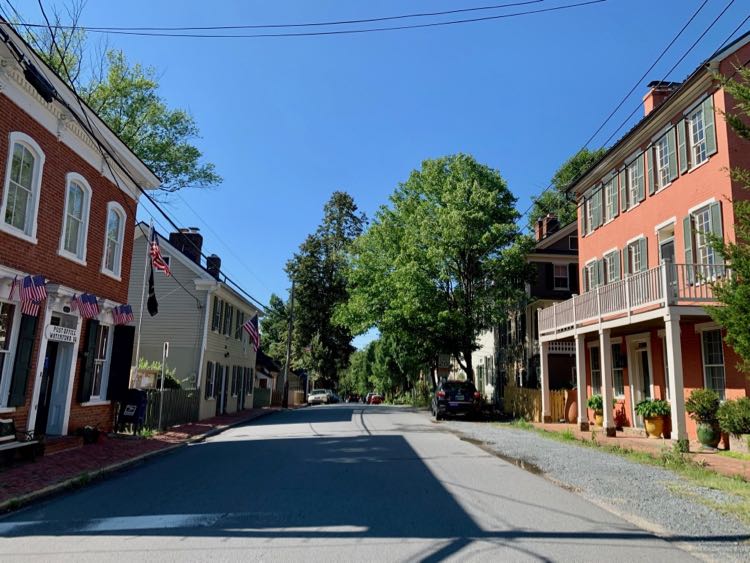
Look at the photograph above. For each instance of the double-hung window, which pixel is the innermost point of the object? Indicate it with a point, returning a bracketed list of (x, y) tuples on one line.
[(697, 131), (208, 392), (588, 216), (700, 228), (21, 187), (635, 187), (704, 252), (596, 370), (612, 266), (713, 361), (619, 363), (560, 276), (635, 256), (101, 362), (113, 240), (662, 162), (611, 203), (75, 221), (6, 360)]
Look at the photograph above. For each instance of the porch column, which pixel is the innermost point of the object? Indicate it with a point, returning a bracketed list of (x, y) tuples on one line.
[(674, 367), (583, 417), (544, 365), (605, 349)]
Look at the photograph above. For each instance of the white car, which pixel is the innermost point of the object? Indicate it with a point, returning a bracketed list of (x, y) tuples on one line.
[(318, 396)]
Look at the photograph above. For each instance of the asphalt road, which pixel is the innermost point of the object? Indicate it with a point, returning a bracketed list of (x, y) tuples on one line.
[(333, 483)]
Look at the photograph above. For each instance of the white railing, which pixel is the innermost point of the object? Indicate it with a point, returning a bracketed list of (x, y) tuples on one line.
[(688, 284)]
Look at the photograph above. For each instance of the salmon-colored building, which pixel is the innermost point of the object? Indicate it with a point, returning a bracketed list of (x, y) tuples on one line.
[(645, 210)]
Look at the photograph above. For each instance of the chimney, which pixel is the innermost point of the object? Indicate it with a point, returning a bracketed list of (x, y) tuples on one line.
[(551, 224), (657, 93), (213, 265), (539, 229), (188, 241)]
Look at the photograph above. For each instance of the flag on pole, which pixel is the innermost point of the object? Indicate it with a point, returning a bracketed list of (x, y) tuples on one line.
[(157, 261), (32, 292), (88, 306), (13, 286), (251, 327), (152, 305), (122, 314)]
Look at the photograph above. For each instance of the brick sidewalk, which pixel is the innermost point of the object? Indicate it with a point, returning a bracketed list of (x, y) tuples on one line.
[(725, 465), (26, 481)]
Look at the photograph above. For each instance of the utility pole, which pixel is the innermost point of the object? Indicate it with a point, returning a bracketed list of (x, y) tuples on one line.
[(285, 396)]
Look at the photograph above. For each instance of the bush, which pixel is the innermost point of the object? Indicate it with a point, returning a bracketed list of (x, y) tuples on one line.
[(651, 408), (703, 405), (734, 416)]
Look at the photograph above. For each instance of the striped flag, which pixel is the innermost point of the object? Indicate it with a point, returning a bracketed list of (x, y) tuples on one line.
[(122, 314), (251, 327), (32, 292), (88, 306), (156, 258)]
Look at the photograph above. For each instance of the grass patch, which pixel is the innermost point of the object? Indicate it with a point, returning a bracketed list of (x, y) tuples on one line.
[(735, 455), (520, 423)]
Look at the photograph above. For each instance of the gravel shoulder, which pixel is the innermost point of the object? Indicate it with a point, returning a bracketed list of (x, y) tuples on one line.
[(650, 497)]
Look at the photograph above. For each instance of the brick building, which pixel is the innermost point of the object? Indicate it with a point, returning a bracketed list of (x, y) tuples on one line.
[(67, 217)]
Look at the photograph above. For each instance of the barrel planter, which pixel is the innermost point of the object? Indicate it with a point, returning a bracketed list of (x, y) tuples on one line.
[(709, 434)]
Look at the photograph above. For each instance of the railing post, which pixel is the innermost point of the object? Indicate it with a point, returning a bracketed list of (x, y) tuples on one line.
[(627, 295), (575, 320), (598, 305), (554, 315), (665, 282)]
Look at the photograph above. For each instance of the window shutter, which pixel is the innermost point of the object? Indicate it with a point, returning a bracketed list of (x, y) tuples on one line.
[(625, 262), (209, 375), (119, 365), (651, 174), (617, 266), (687, 234), (87, 367), (716, 227), (22, 363), (598, 219), (682, 146), (616, 203), (672, 155), (584, 279), (599, 272), (573, 275), (709, 125), (623, 190), (644, 253)]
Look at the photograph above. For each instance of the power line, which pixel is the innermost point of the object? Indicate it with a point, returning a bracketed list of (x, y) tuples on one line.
[(296, 25), (344, 32)]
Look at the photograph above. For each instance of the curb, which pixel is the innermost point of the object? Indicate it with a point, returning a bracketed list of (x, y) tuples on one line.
[(86, 477)]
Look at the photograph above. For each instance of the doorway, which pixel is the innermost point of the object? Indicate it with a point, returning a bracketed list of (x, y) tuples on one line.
[(641, 373), (221, 400), (53, 389)]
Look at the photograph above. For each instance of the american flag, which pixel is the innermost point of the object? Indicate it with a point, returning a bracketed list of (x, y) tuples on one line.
[(155, 253), (32, 292), (88, 306), (122, 314), (251, 327)]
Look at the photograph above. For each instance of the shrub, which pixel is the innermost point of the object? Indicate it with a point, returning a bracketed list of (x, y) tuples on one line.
[(734, 416), (651, 408), (596, 402), (703, 405)]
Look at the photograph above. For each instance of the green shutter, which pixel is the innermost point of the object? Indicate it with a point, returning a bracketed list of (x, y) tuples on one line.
[(598, 207), (644, 253), (625, 262), (22, 363), (617, 266), (616, 202), (209, 374), (709, 125), (600, 272), (119, 365), (584, 280), (651, 173), (623, 190), (672, 155), (716, 227), (682, 146), (687, 237), (87, 367)]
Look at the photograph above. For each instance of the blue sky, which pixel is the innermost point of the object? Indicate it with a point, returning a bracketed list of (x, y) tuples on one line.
[(289, 120)]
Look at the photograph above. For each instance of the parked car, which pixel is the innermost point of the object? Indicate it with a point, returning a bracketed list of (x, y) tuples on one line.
[(368, 397), (333, 397), (318, 397), (353, 398), (376, 399), (456, 398)]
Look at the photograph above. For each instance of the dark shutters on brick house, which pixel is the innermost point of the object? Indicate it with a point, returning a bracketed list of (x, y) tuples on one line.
[(119, 365), (87, 366), (573, 277), (22, 364)]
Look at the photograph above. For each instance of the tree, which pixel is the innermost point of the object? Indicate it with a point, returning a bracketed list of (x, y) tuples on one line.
[(558, 200), (441, 263), (273, 328), (320, 287), (126, 97), (734, 292)]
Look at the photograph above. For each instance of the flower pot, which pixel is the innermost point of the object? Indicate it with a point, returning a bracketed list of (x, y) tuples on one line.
[(654, 426), (740, 444), (709, 434), (599, 418)]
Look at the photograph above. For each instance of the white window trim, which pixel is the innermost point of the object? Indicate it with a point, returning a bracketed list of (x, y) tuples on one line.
[(572, 237), (96, 403), (613, 252), (634, 239), (723, 361), (700, 206), (665, 224), (115, 274), (104, 383), (81, 181), (8, 366), (23, 138), (554, 277), (703, 327)]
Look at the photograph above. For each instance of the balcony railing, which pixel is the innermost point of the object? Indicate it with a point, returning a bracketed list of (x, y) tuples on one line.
[(687, 284)]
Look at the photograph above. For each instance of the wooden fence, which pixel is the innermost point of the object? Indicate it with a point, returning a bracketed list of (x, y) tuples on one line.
[(522, 402), (180, 406), (261, 398)]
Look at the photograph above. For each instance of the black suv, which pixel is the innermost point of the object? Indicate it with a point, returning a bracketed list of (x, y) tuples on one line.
[(456, 398)]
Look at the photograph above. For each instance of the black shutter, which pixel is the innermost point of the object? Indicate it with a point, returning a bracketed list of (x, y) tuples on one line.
[(119, 365), (550, 269), (87, 365), (573, 275), (22, 364)]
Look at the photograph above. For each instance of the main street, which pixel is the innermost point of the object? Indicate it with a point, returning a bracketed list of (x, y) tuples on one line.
[(341, 483)]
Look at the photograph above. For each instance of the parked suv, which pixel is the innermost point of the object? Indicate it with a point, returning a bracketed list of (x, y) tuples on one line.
[(456, 398), (318, 397)]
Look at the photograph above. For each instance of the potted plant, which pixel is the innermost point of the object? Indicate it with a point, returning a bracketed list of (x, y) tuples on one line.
[(653, 412), (702, 407), (734, 419)]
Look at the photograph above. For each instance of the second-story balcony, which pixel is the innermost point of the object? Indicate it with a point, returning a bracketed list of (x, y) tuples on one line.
[(686, 285)]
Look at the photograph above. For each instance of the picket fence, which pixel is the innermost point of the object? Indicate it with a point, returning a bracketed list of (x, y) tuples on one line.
[(180, 406), (522, 402)]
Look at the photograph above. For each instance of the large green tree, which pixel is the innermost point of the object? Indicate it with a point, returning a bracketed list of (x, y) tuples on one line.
[(274, 327), (734, 292), (441, 263), (320, 287), (126, 97), (557, 200)]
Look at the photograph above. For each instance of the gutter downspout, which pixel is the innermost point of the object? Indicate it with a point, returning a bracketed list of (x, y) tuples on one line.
[(206, 310)]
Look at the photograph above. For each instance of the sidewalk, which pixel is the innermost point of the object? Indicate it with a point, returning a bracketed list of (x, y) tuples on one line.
[(725, 465), (24, 482)]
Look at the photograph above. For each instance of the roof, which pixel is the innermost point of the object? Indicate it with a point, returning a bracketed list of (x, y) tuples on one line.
[(264, 361), (657, 112), (566, 230)]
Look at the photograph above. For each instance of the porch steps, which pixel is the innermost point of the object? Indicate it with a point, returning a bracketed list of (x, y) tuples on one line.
[(62, 443)]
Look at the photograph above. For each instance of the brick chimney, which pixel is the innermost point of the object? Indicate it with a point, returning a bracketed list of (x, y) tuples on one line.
[(657, 93), (545, 226), (188, 241), (538, 229)]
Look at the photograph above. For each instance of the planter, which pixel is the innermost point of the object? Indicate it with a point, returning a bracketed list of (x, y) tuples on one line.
[(571, 406), (599, 418), (654, 426), (709, 434), (741, 444)]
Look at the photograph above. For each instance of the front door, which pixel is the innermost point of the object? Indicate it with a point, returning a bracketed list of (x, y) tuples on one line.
[(667, 255), (59, 390), (640, 376), (45, 388)]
